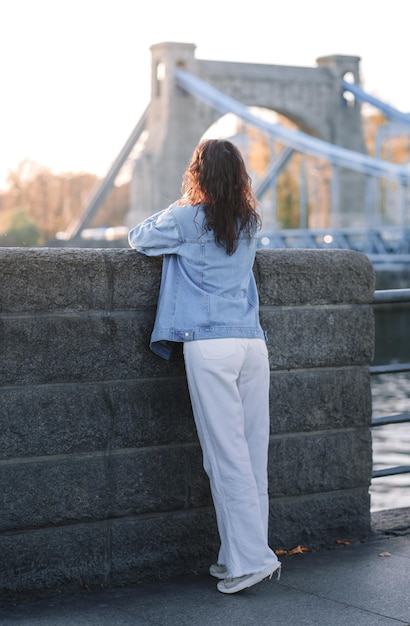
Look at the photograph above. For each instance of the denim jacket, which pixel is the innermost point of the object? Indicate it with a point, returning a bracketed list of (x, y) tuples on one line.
[(205, 293)]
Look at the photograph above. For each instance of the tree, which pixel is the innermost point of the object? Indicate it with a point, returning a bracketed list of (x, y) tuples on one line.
[(53, 201), (21, 232)]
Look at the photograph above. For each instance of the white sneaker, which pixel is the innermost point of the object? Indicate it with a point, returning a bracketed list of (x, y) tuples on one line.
[(218, 571), (233, 585)]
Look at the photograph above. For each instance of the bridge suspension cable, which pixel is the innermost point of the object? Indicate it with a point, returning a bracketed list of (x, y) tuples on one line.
[(389, 111), (294, 139), (100, 192)]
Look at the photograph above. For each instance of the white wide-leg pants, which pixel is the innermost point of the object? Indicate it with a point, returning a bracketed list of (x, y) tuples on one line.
[(228, 381)]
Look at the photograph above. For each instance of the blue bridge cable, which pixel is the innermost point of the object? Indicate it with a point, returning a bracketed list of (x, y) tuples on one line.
[(295, 139), (389, 111), (276, 166), (100, 192)]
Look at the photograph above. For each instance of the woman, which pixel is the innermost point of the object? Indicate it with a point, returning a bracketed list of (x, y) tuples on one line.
[(208, 300)]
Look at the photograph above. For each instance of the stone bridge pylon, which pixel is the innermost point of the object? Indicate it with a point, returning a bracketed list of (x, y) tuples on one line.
[(311, 97)]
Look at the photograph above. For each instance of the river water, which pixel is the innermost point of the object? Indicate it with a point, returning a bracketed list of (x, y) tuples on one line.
[(390, 396)]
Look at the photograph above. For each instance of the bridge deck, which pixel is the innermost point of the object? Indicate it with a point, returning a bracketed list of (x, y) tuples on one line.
[(391, 242)]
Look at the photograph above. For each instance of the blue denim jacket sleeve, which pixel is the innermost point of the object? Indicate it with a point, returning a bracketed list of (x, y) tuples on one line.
[(157, 235)]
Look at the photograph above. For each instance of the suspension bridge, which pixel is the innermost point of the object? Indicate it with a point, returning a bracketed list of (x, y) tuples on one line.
[(383, 232)]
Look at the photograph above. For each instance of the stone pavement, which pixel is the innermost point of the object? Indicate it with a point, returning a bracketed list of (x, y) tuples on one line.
[(361, 584)]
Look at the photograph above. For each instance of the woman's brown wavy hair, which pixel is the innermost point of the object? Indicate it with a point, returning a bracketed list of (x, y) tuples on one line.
[(217, 178)]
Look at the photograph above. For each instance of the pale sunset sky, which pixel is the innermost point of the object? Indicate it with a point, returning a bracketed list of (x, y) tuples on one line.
[(75, 74)]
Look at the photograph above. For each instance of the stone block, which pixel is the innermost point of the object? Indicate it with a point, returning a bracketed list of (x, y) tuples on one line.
[(319, 462), (53, 560), (320, 399), (319, 519), (163, 546), (50, 279), (68, 348), (157, 479), (135, 279), (62, 490), (62, 419), (76, 279), (313, 277), (318, 337), (152, 412), (53, 491), (41, 420)]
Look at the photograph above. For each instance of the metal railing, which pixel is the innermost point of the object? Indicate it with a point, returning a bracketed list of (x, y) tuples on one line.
[(382, 244), (391, 296)]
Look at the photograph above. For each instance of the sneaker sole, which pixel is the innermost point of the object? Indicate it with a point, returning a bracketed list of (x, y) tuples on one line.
[(216, 574), (252, 580)]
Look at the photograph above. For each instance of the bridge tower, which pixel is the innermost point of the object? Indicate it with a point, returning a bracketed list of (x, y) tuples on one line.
[(311, 97)]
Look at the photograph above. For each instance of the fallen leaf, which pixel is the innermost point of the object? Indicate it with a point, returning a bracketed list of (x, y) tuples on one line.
[(385, 554), (298, 550)]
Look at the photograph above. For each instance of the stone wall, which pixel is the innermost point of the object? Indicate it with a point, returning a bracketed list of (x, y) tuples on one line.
[(101, 470)]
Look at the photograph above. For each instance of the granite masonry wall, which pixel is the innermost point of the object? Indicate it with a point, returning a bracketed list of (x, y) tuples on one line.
[(100, 467)]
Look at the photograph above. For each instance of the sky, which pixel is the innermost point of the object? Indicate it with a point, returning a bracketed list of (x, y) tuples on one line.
[(75, 74)]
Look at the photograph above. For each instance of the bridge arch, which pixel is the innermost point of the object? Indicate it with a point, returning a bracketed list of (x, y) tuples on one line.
[(311, 97)]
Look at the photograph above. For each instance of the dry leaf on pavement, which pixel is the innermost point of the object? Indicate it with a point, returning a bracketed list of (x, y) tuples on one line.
[(298, 550)]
